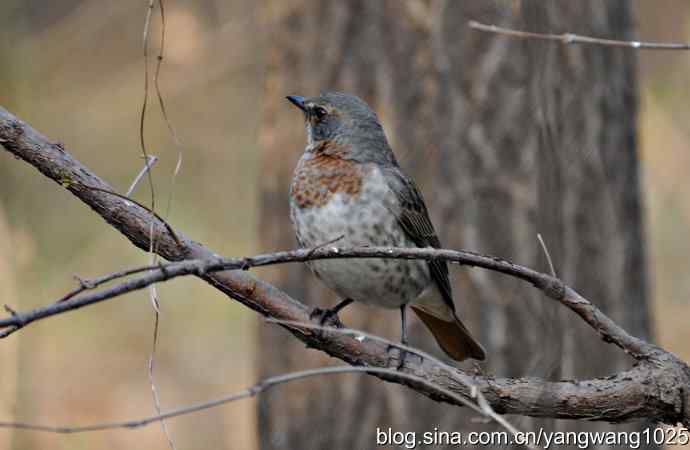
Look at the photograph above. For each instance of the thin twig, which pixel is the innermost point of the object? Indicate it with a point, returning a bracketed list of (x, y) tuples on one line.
[(357, 334), (325, 244), (164, 112), (570, 38), (149, 162), (142, 116), (552, 287), (167, 226), (547, 254), (87, 284), (152, 381), (251, 391), (152, 243)]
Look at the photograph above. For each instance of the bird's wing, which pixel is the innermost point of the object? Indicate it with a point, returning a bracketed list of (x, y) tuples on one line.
[(413, 217)]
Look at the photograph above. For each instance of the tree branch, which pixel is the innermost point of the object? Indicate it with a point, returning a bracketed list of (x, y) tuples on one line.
[(552, 287), (570, 38), (656, 388), (253, 391)]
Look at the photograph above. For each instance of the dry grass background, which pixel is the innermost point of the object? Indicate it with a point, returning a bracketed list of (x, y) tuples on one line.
[(74, 69)]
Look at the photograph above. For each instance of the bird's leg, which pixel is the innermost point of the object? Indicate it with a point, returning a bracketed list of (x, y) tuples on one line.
[(403, 336), (326, 315)]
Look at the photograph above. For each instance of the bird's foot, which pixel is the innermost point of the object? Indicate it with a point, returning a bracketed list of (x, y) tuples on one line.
[(398, 353), (326, 317)]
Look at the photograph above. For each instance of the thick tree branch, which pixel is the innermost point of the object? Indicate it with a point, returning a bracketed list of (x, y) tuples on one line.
[(656, 388)]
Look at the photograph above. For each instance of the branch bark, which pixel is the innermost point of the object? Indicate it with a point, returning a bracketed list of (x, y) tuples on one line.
[(551, 286), (657, 387)]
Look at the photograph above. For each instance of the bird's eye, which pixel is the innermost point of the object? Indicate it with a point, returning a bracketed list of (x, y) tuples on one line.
[(320, 112)]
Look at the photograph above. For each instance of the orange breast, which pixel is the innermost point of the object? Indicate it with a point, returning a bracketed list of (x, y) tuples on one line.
[(317, 178)]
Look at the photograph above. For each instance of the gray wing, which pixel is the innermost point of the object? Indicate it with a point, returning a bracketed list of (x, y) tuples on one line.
[(414, 219)]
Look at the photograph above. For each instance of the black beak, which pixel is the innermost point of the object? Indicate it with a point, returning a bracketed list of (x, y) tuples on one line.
[(298, 101)]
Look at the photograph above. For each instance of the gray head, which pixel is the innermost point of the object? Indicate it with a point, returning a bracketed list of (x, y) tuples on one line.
[(348, 123)]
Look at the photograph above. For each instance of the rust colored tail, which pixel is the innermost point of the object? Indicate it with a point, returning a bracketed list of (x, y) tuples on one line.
[(453, 337)]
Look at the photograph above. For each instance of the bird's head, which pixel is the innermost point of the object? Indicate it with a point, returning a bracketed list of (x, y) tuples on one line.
[(345, 122)]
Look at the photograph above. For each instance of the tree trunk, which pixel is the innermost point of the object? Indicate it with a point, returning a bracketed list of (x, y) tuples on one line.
[(508, 139)]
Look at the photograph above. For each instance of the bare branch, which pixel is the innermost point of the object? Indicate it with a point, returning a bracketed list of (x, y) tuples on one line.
[(570, 38), (251, 391), (86, 284), (482, 406), (552, 287), (656, 388)]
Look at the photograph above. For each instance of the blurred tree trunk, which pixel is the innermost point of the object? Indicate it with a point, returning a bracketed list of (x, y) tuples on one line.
[(8, 348), (507, 139), (10, 395)]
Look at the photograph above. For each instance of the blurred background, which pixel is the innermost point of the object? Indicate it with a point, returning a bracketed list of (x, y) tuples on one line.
[(74, 69)]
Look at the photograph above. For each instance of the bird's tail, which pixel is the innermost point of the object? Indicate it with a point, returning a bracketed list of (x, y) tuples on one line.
[(451, 334)]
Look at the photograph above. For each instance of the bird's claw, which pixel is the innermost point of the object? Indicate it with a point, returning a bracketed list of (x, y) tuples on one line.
[(326, 317), (401, 355)]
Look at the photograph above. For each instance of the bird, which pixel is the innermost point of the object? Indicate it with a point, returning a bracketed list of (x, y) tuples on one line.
[(348, 187)]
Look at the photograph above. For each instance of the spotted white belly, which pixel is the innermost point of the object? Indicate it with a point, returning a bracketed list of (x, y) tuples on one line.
[(367, 219)]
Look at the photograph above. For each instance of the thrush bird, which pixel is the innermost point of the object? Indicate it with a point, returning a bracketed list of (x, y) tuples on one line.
[(348, 185)]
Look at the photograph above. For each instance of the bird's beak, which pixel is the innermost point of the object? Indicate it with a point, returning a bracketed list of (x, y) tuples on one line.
[(298, 101)]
